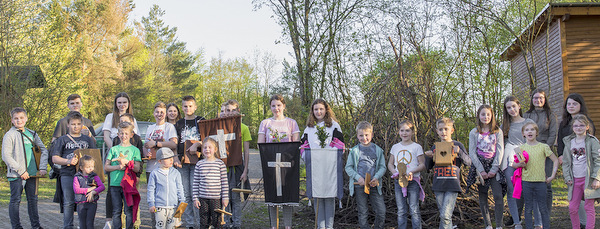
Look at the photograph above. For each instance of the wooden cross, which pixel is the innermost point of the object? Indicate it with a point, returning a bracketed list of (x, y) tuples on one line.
[(278, 165), (221, 138)]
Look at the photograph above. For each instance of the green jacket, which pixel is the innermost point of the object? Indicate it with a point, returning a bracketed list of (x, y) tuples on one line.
[(593, 163), (352, 167)]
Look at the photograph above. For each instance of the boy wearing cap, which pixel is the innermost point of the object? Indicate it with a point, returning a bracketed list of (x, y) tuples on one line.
[(165, 189)]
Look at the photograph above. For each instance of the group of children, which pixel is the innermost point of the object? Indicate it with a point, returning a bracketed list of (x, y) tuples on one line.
[(514, 158)]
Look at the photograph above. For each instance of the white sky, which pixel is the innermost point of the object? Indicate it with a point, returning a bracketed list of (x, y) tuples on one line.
[(229, 27)]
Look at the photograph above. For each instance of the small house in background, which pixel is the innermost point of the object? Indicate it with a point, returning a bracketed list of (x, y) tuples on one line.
[(560, 53)]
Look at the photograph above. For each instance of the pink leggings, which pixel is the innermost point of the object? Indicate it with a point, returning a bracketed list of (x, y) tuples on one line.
[(577, 195)]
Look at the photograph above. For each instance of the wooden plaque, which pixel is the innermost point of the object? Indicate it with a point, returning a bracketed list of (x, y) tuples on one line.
[(190, 157), (443, 153), (98, 165), (37, 154)]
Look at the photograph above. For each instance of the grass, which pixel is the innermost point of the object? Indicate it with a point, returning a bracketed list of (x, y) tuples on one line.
[(46, 188)]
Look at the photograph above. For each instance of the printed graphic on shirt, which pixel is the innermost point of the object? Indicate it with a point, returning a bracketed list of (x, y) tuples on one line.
[(189, 133), (404, 157), (72, 146), (578, 154), (446, 172), (486, 142), (157, 135)]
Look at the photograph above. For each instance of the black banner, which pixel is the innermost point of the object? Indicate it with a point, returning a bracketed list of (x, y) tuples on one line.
[(281, 172)]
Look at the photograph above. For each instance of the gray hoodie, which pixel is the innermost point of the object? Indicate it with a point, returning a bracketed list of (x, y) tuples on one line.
[(13, 152), (165, 188)]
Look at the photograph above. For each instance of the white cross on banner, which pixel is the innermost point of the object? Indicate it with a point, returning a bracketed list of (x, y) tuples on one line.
[(281, 172), (221, 138), (227, 133), (278, 164)]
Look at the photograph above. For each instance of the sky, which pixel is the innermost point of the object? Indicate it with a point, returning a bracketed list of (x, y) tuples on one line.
[(231, 28)]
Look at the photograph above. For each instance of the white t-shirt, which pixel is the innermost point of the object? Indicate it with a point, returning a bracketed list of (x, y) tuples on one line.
[(407, 155), (161, 133), (114, 131), (313, 139)]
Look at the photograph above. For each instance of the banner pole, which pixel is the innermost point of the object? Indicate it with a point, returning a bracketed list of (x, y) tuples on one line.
[(316, 212), (277, 215)]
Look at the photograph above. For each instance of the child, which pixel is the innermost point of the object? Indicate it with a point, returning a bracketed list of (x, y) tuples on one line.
[(238, 174), (534, 176), (210, 185), (580, 167), (158, 135), (126, 157), (486, 147), (411, 154), (446, 179), (18, 155), (63, 154), (286, 130), (62, 126), (165, 190), (322, 116), (187, 129), (512, 123), (540, 112), (363, 158), (86, 186)]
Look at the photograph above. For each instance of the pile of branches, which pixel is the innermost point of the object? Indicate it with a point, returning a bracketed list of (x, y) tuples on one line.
[(391, 99)]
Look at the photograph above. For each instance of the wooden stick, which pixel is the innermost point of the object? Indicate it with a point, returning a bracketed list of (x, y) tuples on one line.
[(277, 216)]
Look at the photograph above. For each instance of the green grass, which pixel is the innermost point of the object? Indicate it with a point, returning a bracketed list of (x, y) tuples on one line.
[(46, 188)]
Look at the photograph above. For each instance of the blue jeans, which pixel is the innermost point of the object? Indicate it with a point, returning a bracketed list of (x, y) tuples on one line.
[(446, 202), (515, 206), (325, 211), (191, 213), (363, 209), (16, 190), (66, 183), (535, 192), (119, 204), (498, 202), (408, 204), (234, 206)]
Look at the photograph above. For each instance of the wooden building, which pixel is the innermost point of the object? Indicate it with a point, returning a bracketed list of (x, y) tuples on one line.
[(560, 53)]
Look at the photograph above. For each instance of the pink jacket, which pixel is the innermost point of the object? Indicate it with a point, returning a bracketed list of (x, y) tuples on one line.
[(517, 177)]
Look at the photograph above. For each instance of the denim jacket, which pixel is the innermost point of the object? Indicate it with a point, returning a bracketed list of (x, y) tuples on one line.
[(352, 167), (165, 188)]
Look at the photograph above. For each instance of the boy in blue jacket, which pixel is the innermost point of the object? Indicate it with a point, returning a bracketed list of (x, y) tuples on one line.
[(362, 159), (165, 189)]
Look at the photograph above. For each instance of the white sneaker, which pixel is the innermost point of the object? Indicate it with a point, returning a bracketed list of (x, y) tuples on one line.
[(107, 225), (518, 226), (489, 227)]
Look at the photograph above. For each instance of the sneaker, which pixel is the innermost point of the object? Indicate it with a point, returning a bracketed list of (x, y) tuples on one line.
[(489, 227), (107, 225), (509, 222), (518, 226), (498, 227)]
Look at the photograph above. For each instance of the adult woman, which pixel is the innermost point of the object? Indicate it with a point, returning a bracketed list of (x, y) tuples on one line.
[(283, 129), (121, 106), (173, 113)]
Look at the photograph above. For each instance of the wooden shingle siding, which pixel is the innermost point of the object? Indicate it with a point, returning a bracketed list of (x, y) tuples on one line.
[(583, 61), (547, 65)]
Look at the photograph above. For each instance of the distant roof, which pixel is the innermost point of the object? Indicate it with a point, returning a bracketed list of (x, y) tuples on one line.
[(554, 10), (32, 76)]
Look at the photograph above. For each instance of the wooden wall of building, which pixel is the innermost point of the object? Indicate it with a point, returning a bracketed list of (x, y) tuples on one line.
[(546, 63), (583, 61)]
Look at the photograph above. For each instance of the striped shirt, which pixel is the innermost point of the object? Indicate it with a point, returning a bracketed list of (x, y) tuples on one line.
[(210, 180)]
